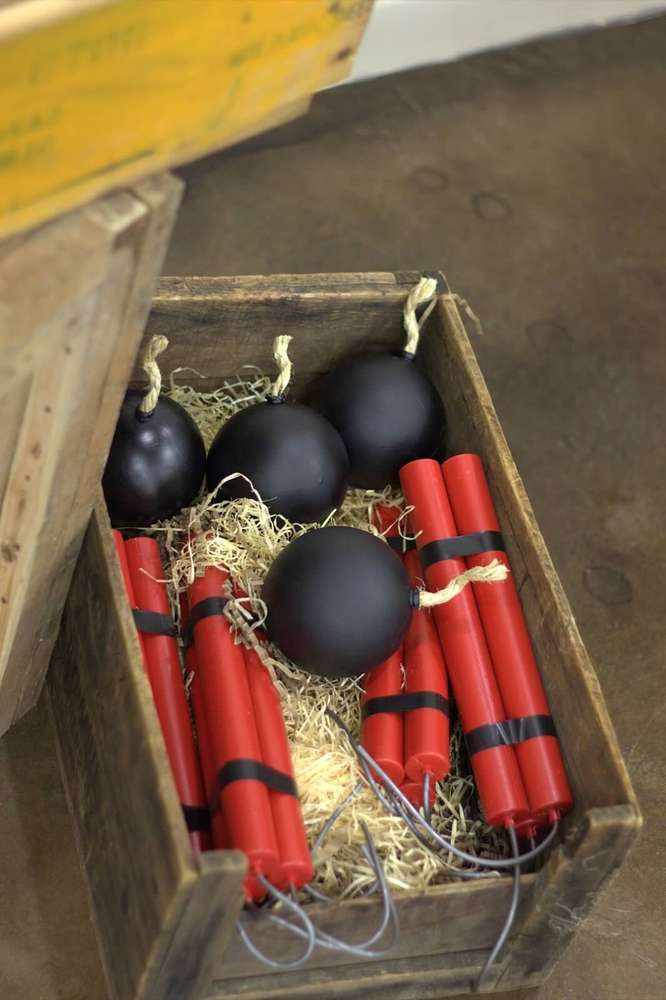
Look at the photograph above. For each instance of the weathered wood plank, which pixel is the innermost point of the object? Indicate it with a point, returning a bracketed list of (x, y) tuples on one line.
[(447, 920), (197, 941), (76, 295), (217, 325), (567, 890)]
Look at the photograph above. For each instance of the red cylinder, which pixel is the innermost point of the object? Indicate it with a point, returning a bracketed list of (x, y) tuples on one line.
[(119, 543), (470, 668), (219, 839), (254, 891), (229, 715), (426, 729), (382, 732), (166, 680), (386, 519), (295, 860), (539, 757), (413, 790)]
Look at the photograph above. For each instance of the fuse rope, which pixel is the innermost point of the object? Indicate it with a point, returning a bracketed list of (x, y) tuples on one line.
[(284, 367), (494, 572), (155, 347)]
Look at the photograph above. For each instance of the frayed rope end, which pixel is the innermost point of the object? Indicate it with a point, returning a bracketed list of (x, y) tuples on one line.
[(494, 572)]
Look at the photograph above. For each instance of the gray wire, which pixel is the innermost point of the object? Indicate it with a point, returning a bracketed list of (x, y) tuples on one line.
[(362, 949), (321, 837), (335, 815), (463, 873), (308, 933), (510, 917), (416, 816), (426, 796)]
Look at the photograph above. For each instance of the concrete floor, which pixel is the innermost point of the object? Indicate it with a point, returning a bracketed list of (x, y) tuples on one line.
[(534, 177)]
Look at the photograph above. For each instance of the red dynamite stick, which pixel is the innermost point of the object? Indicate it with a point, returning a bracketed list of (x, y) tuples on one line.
[(539, 757), (119, 543), (413, 791), (296, 867), (219, 836), (229, 715), (386, 519), (254, 891), (295, 861), (426, 729), (166, 680), (382, 734), (470, 668)]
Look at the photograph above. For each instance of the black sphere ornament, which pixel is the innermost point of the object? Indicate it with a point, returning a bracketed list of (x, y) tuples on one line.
[(157, 459), (339, 601), (286, 452), (386, 411)]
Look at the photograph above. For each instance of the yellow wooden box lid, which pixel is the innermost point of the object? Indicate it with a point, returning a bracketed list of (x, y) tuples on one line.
[(97, 93)]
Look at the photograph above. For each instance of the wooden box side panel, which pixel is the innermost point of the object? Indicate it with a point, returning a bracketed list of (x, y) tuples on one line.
[(442, 924), (75, 297), (566, 890), (217, 325)]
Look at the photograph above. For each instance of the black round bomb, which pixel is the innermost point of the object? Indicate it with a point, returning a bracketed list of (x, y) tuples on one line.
[(338, 601), (386, 411), (157, 459), (288, 453)]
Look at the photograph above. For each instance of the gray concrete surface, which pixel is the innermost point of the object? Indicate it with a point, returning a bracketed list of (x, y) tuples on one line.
[(534, 177)]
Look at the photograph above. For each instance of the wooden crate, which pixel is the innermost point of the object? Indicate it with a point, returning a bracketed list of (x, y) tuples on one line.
[(95, 94), (165, 919), (74, 296)]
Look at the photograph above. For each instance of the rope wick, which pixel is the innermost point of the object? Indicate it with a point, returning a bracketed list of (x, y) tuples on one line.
[(494, 572), (284, 367), (149, 364), (424, 291)]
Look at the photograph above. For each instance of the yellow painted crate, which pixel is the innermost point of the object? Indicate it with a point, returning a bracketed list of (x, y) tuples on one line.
[(97, 93)]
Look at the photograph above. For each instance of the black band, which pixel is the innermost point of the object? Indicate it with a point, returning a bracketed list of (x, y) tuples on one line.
[(406, 702), (154, 623), (461, 546), (509, 732), (197, 818), (400, 544), (209, 607), (244, 769)]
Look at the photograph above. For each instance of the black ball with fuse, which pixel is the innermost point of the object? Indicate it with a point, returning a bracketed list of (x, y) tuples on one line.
[(339, 600), (385, 409), (286, 452), (157, 458)]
